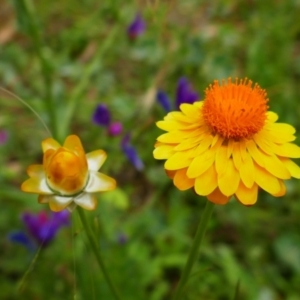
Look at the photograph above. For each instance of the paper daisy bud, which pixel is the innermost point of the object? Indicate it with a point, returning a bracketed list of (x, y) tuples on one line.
[(68, 176), (228, 145)]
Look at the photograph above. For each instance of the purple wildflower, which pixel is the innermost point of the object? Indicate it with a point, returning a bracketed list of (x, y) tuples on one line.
[(185, 93), (131, 153), (101, 115), (3, 136), (137, 27), (164, 100), (20, 237), (115, 128), (43, 227)]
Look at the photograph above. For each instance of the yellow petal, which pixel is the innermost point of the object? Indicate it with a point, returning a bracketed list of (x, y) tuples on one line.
[(86, 201), (175, 125), (50, 143), (99, 182), (163, 152), (177, 116), (35, 171), (274, 166), (279, 132), (265, 180), (217, 197), (72, 142), (178, 161), (236, 156), (247, 196), (43, 199), (247, 171), (181, 181), (36, 185), (191, 111), (200, 164), (170, 174), (228, 182), (255, 153), (96, 159), (293, 168), (272, 117), (203, 145), (221, 160), (287, 150), (207, 182), (58, 203), (263, 144), (282, 190)]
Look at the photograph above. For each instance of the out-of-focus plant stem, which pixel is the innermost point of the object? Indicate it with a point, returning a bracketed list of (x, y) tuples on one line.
[(94, 245), (194, 251), (81, 87)]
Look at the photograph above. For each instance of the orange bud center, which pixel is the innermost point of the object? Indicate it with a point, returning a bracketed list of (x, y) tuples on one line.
[(235, 110), (66, 171)]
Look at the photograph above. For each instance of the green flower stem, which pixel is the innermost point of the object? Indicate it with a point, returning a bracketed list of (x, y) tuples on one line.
[(81, 87), (33, 29), (193, 255), (97, 253)]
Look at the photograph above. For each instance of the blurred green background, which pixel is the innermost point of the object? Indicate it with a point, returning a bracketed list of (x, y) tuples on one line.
[(146, 226)]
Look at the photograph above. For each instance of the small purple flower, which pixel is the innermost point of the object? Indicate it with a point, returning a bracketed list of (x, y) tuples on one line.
[(131, 153), (101, 115), (164, 100), (3, 136), (115, 128), (41, 228), (137, 27), (185, 93)]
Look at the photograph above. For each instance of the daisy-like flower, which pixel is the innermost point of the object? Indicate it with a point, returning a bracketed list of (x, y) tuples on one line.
[(228, 145), (68, 177)]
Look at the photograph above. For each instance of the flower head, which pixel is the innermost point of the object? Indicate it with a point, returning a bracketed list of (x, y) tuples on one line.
[(115, 128), (41, 228), (68, 177), (137, 27), (184, 94), (101, 115), (228, 145)]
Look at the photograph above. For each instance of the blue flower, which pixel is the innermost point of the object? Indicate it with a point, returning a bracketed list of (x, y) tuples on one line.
[(164, 101), (136, 27), (131, 153), (101, 115), (184, 94), (41, 228)]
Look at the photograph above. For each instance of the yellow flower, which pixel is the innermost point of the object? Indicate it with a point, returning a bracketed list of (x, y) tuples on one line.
[(68, 177), (228, 145)]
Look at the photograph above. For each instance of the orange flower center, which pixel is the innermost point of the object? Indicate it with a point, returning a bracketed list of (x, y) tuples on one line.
[(66, 171), (235, 110)]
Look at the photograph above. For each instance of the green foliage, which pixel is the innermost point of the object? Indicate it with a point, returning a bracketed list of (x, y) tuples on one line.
[(79, 55)]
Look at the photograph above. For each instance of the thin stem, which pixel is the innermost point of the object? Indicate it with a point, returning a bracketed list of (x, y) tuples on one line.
[(97, 253), (193, 255)]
